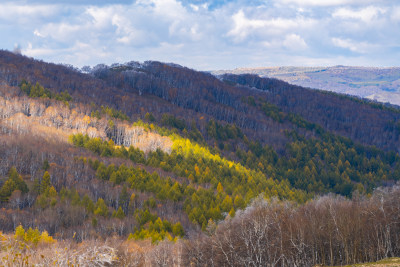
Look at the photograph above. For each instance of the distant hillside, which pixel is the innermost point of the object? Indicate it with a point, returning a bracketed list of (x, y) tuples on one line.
[(380, 84)]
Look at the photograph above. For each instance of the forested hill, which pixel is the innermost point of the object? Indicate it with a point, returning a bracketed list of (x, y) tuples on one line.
[(160, 88), (158, 151), (223, 100)]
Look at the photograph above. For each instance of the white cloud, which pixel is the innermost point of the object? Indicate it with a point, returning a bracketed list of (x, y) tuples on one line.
[(194, 7), (171, 9), (126, 32), (38, 52), (37, 33), (14, 11), (294, 42), (358, 47), (276, 26), (395, 15), (101, 16), (365, 14), (62, 32), (327, 2), (244, 26), (204, 34)]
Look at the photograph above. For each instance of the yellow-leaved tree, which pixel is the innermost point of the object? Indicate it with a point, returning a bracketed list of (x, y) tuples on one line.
[(32, 236)]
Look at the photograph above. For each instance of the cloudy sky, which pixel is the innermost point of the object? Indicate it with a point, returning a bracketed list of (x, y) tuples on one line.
[(205, 34)]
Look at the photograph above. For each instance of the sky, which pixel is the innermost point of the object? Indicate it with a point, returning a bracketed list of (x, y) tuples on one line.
[(205, 34)]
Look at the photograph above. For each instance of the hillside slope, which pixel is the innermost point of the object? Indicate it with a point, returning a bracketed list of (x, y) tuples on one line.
[(159, 152), (160, 88)]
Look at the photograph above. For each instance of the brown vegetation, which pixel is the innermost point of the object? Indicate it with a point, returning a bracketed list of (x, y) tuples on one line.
[(56, 121), (329, 230)]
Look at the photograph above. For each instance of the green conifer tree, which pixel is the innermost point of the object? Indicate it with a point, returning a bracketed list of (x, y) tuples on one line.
[(46, 183)]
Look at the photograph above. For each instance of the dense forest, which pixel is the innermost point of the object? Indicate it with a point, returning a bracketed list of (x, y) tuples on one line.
[(157, 164)]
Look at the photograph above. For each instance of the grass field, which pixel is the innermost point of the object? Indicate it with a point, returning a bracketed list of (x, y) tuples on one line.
[(390, 262)]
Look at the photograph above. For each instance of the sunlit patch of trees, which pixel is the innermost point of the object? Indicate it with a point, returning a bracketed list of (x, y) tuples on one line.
[(156, 229), (226, 185), (52, 119), (32, 236)]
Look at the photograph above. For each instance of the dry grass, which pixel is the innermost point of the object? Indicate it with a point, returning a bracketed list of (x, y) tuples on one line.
[(112, 252), (389, 262)]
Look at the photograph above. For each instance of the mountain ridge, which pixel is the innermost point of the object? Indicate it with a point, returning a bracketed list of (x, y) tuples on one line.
[(376, 83)]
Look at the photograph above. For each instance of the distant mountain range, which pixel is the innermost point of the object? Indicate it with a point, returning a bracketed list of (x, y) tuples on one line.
[(380, 84)]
